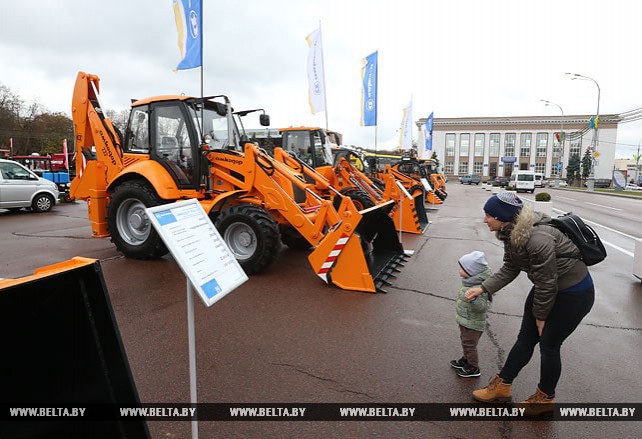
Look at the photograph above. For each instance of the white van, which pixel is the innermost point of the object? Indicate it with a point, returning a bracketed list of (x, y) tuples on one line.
[(539, 180), (522, 181)]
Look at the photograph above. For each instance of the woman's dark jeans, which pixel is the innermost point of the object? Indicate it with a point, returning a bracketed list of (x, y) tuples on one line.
[(567, 313)]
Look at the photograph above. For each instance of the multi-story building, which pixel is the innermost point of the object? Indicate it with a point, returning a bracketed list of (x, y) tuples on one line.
[(495, 146)]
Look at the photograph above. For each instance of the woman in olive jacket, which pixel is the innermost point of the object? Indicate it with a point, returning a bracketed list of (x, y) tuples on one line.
[(561, 296)]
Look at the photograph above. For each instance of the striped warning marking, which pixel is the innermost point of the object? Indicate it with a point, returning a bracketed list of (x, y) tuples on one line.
[(332, 257)]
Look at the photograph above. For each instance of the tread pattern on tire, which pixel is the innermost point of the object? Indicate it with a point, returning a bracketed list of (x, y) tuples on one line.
[(154, 247), (264, 226)]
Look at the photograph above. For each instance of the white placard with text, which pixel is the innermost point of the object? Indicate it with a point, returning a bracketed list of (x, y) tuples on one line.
[(426, 184), (198, 248)]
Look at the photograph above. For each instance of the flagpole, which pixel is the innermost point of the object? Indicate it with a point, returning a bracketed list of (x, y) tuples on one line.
[(202, 94), (325, 97)]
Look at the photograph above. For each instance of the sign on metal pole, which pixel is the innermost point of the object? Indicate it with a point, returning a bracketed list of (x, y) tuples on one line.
[(198, 249)]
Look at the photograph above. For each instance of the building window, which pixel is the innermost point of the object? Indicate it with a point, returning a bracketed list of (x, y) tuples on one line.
[(478, 167), (479, 145), (554, 170), (464, 145), (525, 144), (540, 168), (450, 144), (463, 168), (449, 167), (542, 143), (509, 144), (575, 147), (494, 145)]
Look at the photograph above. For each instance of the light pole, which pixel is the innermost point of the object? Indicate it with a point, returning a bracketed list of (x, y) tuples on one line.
[(562, 139), (591, 180)]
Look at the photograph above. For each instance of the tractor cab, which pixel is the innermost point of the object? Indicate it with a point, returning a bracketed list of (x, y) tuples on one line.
[(174, 130), (313, 146)]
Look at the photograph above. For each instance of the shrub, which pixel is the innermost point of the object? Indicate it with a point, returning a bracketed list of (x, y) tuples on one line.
[(542, 196)]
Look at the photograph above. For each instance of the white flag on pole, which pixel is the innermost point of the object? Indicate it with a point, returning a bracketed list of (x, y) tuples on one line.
[(405, 134), (316, 79)]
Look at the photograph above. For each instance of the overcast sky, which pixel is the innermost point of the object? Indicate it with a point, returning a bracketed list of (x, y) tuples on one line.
[(456, 58)]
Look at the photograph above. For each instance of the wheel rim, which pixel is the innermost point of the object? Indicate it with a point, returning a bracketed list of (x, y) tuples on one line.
[(43, 203), (241, 240), (132, 222)]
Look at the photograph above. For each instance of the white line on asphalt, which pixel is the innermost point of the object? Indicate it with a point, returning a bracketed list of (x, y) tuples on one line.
[(566, 198), (626, 252), (600, 205)]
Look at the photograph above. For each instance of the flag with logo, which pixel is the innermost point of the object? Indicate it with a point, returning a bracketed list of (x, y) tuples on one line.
[(427, 143), (405, 133), (189, 23), (369, 90), (316, 80)]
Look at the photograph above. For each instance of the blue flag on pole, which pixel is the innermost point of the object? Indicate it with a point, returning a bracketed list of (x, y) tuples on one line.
[(428, 132), (189, 23), (369, 91)]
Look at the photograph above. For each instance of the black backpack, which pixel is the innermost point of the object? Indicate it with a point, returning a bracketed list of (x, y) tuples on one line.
[(583, 236)]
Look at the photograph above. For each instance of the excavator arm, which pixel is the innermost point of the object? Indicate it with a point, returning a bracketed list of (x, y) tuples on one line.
[(99, 156)]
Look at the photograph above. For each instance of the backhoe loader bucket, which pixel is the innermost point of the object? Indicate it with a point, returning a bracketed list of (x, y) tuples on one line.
[(363, 252)]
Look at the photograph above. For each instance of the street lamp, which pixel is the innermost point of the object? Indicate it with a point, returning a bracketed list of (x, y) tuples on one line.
[(563, 138), (591, 180)]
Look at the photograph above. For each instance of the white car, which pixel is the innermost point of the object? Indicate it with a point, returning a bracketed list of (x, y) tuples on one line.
[(633, 187), (559, 183), (20, 187)]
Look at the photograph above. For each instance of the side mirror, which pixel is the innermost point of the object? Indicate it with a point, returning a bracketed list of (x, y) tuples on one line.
[(220, 108), (264, 120)]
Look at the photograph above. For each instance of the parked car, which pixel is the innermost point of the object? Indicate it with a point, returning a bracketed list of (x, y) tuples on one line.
[(633, 187), (540, 180), (502, 181), (559, 183), (470, 179), (600, 183), (20, 187)]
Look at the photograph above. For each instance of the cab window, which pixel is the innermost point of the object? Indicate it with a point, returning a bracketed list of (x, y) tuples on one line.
[(172, 142)]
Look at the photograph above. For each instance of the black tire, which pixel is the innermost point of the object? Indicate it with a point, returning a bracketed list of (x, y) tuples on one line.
[(130, 228), (252, 234), (42, 203), (293, 239), (360, 199)]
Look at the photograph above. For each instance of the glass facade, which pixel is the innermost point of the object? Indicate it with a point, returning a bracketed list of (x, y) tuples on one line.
[(494, 145), (464, 145), (542, 143), (479, 145), (525, 140), (450, 144), (509, 144)]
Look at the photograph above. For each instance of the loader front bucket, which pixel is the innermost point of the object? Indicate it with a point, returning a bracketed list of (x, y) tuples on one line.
[(362, 253), (411, 216)]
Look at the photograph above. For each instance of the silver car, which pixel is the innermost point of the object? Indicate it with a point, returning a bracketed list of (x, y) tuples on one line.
[(19, 187)]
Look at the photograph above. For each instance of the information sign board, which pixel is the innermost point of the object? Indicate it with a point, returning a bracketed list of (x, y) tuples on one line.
[(198, 248)]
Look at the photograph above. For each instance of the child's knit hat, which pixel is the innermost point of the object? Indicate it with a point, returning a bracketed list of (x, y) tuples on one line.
[(473, 263)]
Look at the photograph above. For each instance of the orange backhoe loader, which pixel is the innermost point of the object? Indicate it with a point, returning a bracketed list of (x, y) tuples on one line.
[(180, 147), (343, 169), (417, 170)]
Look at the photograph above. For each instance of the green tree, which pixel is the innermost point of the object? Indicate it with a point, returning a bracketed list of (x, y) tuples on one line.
[(587, 161), (573, 169)]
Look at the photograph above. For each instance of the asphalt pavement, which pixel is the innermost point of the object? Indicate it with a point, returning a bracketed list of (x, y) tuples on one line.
[(285, 336)]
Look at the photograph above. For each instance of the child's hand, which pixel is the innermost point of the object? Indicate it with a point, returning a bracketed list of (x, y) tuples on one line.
[(472, 293)]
